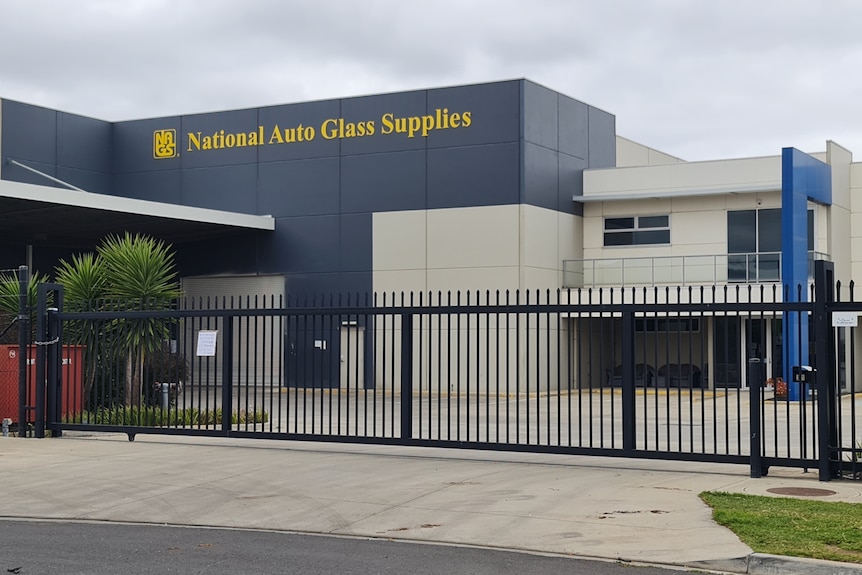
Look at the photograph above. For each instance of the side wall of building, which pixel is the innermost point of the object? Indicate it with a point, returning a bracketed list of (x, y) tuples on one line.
[(324, 169), (69, 147)]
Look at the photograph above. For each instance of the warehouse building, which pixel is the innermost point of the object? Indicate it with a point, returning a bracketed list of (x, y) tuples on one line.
[(498, 186)]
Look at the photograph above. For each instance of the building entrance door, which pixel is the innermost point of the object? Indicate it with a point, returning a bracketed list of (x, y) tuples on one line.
[(352, 355), (763, 340), (727, 351)]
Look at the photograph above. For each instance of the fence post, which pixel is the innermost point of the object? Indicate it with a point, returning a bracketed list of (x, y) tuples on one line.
[(49, 357), (55, 365), (41, 359), (23, 337), (406, 376), (227, 376), (628, 379), (756, 376), (825, 361)]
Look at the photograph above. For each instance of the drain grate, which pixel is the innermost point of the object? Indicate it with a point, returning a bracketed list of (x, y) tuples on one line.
[(801, 491)]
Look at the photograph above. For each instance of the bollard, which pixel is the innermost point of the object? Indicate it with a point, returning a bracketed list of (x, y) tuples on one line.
[(6, 423), (756, 375), (166, 398)]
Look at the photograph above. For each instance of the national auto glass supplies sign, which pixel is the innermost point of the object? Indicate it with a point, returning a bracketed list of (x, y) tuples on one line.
[(165, 145)]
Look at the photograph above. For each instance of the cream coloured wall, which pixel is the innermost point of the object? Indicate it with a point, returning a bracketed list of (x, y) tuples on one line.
[(459, 354), (698, 225), (482, 237), (691, 178), (631, 153), (539, 238), (449, 249), (469, 249), (837, 228), (547, 238), (856, 219), (698, 228), (477, 248)]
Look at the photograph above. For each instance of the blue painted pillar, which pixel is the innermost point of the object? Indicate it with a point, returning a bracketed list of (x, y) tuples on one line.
[(803, 178)]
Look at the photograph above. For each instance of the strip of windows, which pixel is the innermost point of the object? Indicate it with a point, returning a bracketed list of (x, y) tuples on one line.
[(637, 231), (668, 324)]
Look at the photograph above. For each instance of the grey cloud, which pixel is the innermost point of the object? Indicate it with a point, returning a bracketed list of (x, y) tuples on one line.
[(698, 79)]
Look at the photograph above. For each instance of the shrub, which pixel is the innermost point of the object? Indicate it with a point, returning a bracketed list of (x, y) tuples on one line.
[(162, 366), (149, 416)]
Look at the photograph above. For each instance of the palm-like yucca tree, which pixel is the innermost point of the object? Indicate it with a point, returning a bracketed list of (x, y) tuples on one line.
[(84, 281), (9, 290), (129, 272), (84, 285), (141, 275)]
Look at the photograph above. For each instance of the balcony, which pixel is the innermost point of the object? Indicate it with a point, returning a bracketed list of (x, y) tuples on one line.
[(761, 267)]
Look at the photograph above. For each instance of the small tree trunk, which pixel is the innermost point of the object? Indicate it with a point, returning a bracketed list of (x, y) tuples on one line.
[(134, 368), (137, 374), (129, 387)]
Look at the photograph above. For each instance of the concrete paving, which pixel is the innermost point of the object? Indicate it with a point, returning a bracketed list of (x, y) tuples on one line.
[(621, 509)]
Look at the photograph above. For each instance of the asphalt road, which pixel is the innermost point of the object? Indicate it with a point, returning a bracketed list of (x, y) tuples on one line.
[(37, 547)]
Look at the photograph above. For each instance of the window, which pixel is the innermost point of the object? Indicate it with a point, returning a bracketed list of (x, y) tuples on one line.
[(637, 231), (755, 237)]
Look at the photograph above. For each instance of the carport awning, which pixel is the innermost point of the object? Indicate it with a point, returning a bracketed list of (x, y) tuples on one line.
[(54, 216)]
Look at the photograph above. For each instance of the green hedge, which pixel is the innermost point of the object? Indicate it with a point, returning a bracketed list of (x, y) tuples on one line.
[(147, 416)]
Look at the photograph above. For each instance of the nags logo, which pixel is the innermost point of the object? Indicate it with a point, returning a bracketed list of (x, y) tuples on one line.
[(165, 144)]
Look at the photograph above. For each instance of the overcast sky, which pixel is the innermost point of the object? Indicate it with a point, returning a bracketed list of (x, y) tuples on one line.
[(698, 79)]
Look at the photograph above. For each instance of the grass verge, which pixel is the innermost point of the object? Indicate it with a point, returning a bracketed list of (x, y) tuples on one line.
[(794, 527)]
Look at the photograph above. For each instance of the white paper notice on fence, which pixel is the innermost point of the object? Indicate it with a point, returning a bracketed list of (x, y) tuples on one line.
[(845, 319), (207, 343)]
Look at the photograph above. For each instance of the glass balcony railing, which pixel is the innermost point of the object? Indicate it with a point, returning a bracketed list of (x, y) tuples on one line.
[(762, 267)]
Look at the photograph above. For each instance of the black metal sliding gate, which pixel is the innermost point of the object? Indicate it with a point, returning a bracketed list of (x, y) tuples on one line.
[(682, 373)]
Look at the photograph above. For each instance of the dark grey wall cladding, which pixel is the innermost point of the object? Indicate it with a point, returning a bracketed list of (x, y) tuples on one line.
[(540, 116), (495, 114), (235, 254), (15, 173), (161, 186), (84, 144), (133, 146), (474, 176), (541, 176), (196, 128), (383, 182), (67, 146), (320, 255), (317, 250), (574, 127), (353, 283), (293, 117), (298, 187), (355, 243), (562, 137), (603, 142), (29, 133), (302, 244), (313, 287), (95, 182), (228, 188), (388, 113)]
